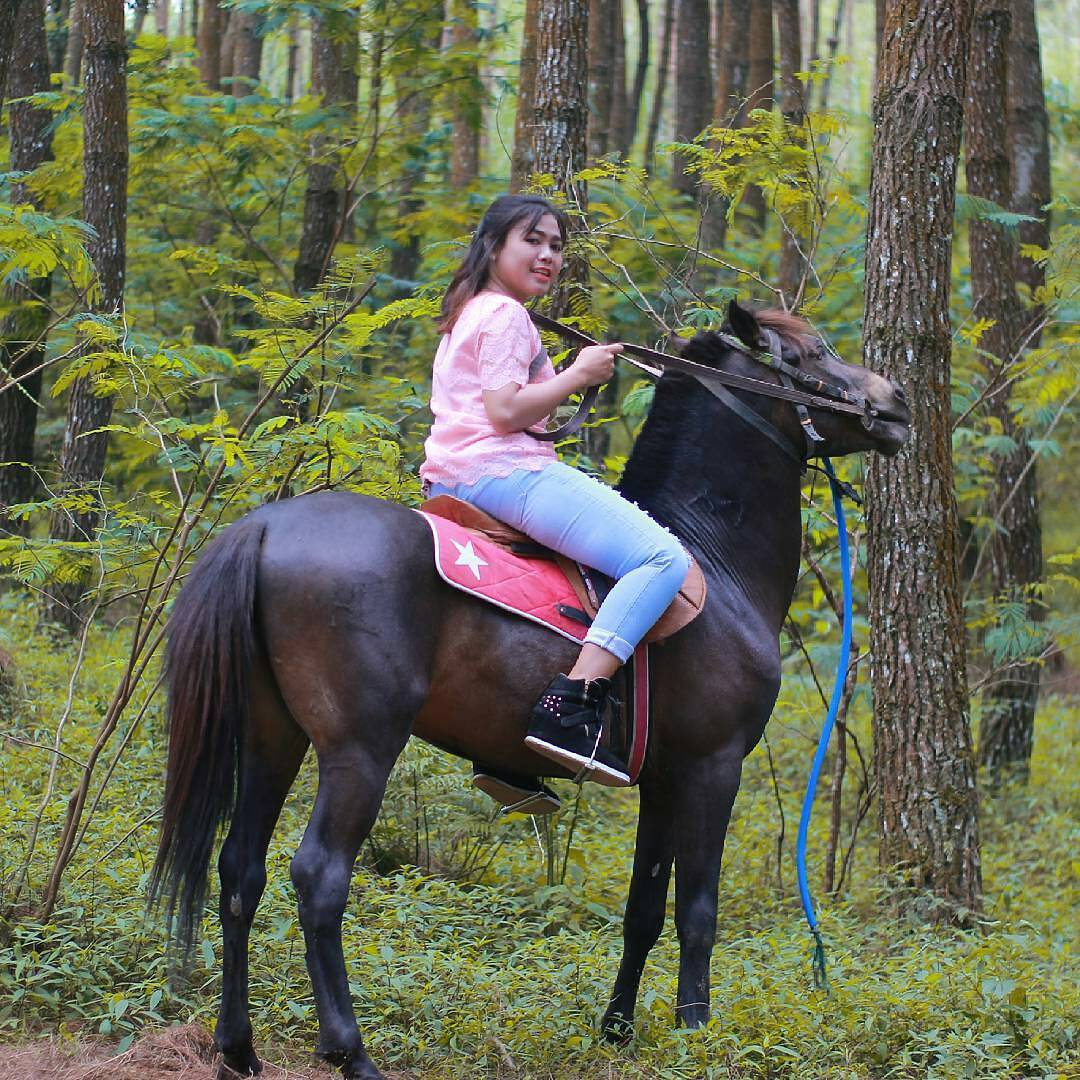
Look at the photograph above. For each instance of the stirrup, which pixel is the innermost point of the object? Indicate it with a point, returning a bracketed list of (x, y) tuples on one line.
[(514, 798)]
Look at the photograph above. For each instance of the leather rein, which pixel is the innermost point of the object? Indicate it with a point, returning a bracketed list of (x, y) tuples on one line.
[(654, 363)]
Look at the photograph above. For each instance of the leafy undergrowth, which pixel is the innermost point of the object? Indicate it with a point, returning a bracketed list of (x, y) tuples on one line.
[(469, 955)]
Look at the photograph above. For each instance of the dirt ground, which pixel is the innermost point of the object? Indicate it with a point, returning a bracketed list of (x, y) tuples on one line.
[(179, 1053)]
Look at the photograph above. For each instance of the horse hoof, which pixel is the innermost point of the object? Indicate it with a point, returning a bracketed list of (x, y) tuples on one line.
[(617, 1029), (232, 1066)]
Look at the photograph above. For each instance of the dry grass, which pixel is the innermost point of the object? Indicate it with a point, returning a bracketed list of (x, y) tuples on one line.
[(177, 1053)]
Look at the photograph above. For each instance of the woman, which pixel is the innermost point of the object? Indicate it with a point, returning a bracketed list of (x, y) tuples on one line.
[(492, 383)]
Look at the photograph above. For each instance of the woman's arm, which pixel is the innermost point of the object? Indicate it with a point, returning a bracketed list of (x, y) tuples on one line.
[(513, 408)]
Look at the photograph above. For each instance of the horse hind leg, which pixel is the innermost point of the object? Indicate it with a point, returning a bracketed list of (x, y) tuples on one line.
[(351, 785), (273, 749)]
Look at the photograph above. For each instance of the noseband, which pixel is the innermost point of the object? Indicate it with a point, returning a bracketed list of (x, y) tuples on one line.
[(826, 396)]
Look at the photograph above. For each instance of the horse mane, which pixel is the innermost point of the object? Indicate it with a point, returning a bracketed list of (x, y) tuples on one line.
[(793, 329), (677, 408)]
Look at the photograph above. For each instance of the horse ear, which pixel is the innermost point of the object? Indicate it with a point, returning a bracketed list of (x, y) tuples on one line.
[(743, 325)]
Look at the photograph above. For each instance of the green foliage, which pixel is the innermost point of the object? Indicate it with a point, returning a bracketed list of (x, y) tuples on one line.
[(478, 958)]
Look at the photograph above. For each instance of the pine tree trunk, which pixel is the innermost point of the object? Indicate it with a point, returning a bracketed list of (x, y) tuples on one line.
[(325, 195), (760, 78), (522, 164), (641, 69), (61, 11), (9, 17), (792, 105), (105, 170), (227, 52), (142, 9), (22, 335), (210, 44), (693, 89), (662, 69), (247, 55), (618, 139), (923, 759), (73, 56), (1015, 548), (1029, 146), (467, 96), (161, 17), (600, 77)]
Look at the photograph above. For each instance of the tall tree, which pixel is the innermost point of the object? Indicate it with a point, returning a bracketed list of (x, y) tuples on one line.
[(76, 41), (247, 50), (9, 16), (105, 172), (210, 44), (333, 58), (1015, 545), (522, 164), (760, 79), (22, 335), (693, 84), (793, 107), (641, 69), (600, 76), (467, 94), (663, 68), (923, 759), (1029, 147), (161, 17)]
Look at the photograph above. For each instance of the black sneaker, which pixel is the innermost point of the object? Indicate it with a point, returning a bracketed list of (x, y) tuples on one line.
[(515, 792), (566, 726)]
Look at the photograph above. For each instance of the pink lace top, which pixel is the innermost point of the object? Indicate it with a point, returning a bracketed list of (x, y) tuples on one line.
[(492, 343)]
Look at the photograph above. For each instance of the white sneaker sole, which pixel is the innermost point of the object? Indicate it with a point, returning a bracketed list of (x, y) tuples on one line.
[(598, 772), (523, 800)]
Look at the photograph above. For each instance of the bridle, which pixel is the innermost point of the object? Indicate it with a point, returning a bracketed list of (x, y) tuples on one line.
[(827, 396)]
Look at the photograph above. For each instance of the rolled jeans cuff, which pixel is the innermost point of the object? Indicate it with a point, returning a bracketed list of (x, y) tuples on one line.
[(611, 642)]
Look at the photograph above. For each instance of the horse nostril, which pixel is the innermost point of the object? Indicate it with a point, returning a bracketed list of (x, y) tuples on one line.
[(898, 390)]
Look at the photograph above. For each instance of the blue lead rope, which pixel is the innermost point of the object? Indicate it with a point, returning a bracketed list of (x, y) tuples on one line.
[(826, 731)]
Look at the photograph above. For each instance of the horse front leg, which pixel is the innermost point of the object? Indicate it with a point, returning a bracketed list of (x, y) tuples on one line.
[(704, 800), (645, 908), (351, 787)]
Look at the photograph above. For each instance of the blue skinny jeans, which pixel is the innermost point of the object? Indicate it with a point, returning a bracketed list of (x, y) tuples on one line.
[(585, 520)]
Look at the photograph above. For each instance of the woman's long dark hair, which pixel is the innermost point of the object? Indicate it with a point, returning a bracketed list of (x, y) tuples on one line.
[(501, 216)]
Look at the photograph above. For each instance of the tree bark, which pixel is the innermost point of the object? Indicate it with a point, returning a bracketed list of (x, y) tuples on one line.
[(1015, 548), (760, 78), (161, 17), (73, 56), (9, 16), (600, 76), (693, 90), (522, 164), (467, 95), (925, 770), (1029, 145), (618, 141), (331, 59), (105, 171), (792, 105), (247, 55), (227, 52), (210, 44), (641, 70), (22, 335), (662, 69)]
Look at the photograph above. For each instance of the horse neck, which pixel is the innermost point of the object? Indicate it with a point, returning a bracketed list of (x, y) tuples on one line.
[(724, 489)]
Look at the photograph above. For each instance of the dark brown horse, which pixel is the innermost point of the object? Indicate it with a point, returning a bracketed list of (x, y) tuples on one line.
[(320, 620)]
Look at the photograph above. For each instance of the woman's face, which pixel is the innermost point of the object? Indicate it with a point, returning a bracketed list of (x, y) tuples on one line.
[(529, 261)]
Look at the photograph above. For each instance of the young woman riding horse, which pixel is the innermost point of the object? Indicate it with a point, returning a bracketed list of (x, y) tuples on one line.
[(492, 383), (321, 621)]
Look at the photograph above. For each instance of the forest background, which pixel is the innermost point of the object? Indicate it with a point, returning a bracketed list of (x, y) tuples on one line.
[(253, 321)]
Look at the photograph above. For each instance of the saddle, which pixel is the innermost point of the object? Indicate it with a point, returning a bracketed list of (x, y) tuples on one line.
[(588, 586)]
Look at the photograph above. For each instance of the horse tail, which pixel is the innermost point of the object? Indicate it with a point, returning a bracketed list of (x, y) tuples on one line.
[(211, 642)]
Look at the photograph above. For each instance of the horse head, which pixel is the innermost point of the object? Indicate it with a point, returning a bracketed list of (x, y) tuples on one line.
[(882, 423)]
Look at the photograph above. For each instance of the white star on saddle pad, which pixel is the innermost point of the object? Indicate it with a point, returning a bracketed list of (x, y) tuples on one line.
[(467, 556)]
